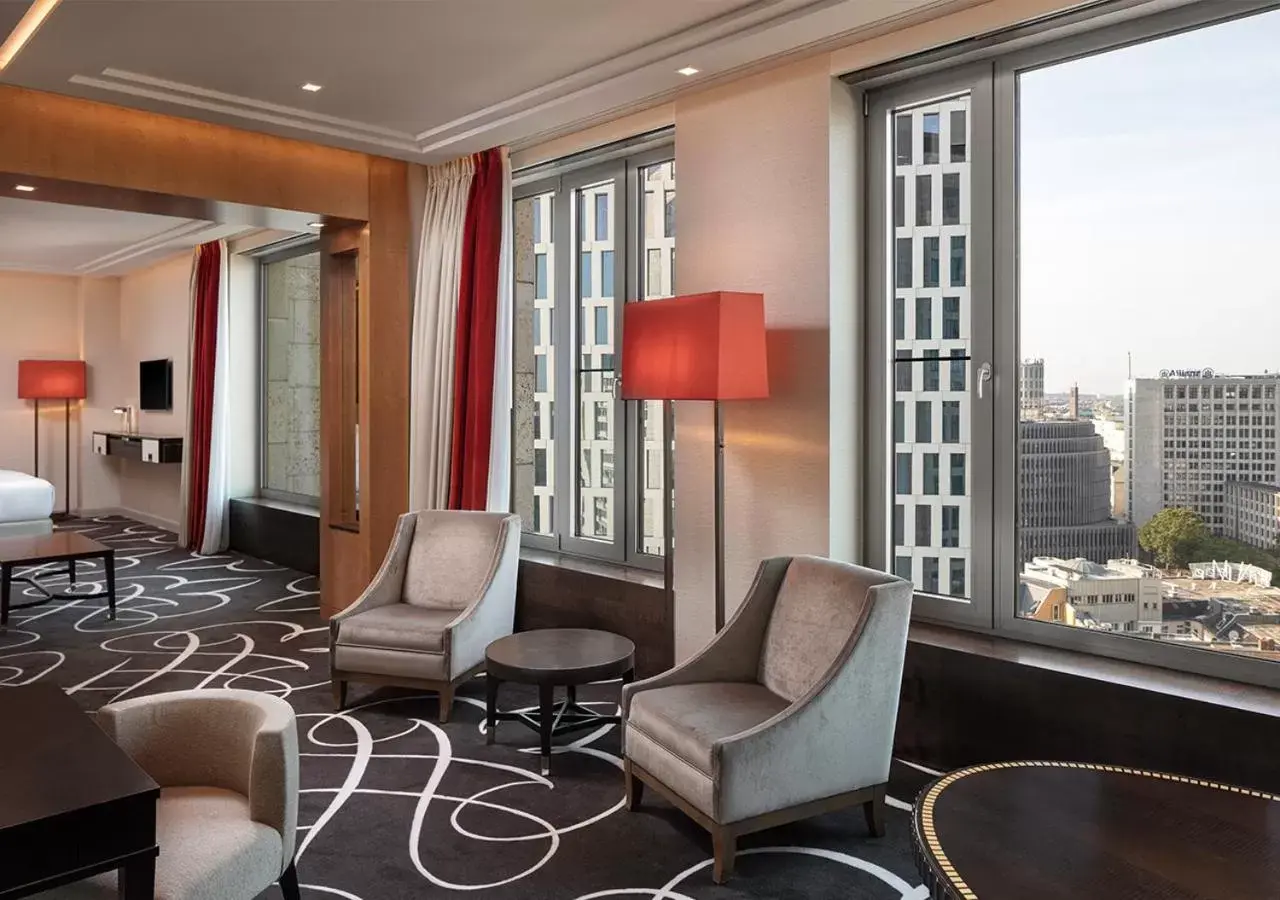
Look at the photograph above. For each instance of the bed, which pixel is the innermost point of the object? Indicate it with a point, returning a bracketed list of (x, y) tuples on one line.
[(26, 504)]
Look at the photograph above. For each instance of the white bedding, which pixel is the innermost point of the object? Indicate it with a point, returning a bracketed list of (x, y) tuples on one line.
[(24, 498)]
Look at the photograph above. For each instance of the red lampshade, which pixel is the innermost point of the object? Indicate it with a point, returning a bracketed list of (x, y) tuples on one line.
[(51, 379), (696, 347)]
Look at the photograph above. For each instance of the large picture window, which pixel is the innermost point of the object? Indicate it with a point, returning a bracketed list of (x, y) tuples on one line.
[(589, 475), (290, 457), (1095, 463)]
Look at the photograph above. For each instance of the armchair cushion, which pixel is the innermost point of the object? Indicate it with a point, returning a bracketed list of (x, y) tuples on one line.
[(398, 626), (452, 558), (688, 719), (815, 616)]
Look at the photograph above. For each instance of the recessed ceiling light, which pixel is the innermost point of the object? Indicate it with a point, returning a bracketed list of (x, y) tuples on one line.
[(25, 30), (315, 224), (25, 188), (687, 70), (313, 88)]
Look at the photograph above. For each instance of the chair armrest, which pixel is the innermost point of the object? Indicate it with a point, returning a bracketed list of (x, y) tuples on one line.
[(837, 738), (388, 583), (734, 653), (492, 615), (273, 782)]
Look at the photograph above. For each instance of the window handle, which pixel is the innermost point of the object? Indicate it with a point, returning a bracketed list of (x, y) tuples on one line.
[(984, 375)]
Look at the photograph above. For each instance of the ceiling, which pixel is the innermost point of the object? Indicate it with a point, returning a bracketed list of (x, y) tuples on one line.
[(424, 80), (59, 239)]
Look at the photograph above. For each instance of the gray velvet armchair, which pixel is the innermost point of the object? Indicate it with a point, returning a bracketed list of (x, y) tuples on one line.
[(446, 589), (788, 713), (226, 821)]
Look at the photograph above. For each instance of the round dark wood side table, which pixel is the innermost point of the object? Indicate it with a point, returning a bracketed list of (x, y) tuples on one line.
[(549, 658), (1058, 830)]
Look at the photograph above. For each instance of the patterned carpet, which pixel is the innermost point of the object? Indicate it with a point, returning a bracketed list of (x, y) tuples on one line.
[(395, 805)]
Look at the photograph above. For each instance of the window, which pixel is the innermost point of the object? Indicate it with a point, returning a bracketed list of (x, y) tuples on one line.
[(603, 457), (540, 282), (924, 523), (924, 318), (1041, 206), (951, 198), (924, 200), (924, 422), (290, 407), (931, 368), (951, 319), (602, 217), (899, 318)]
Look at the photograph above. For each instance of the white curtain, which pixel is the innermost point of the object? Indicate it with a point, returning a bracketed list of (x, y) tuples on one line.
[(499, 490), (215, 523), (435, 314)]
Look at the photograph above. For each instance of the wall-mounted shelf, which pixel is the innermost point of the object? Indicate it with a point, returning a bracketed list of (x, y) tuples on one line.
[(147, 448)]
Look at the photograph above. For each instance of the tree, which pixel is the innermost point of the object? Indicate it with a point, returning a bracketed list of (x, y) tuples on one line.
[(1173, 535)]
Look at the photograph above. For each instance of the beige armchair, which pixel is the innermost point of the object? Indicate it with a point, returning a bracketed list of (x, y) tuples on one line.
[(446, 589), (227, 765), (788, 713)]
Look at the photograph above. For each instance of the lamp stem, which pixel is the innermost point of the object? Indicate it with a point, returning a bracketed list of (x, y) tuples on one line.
[(719, 417), (36, 448), (66, 459)]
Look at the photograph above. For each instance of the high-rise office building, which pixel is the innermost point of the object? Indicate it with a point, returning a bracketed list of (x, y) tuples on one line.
[(1190, 432), (1065, 494), (931, 423), (1031, 386), (1252, 513)]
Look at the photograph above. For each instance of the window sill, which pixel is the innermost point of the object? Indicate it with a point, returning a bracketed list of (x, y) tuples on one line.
[(595, 567), (1202, 688), (299, 508)]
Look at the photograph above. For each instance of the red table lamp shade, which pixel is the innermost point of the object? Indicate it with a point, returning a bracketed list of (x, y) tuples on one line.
[(51, 379), (696, 347)]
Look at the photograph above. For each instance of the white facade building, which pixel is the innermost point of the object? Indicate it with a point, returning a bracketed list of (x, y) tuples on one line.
[(932, 457), (1122, 595), (1252, 513), (1189, 433)]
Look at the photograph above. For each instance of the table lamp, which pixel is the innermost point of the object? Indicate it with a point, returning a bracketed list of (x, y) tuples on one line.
[(53, 379), (698, 347)]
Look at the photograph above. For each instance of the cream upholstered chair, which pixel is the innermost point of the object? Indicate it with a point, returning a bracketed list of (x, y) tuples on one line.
[(446, 590), (227, 765), (789, 712)]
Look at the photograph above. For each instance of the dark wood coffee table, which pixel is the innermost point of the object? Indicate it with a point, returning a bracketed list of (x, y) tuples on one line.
[(72, 803), (60, 546), (1058, 830), (549, 658)]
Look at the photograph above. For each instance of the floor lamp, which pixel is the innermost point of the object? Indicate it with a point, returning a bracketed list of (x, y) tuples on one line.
[(698, 347), (53, 379)]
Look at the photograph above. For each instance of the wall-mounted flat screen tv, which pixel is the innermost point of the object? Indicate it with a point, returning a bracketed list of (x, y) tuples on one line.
[(155, 385)]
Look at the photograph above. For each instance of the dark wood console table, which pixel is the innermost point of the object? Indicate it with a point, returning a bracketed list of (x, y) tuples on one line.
[(1058, 830), (148, 448)]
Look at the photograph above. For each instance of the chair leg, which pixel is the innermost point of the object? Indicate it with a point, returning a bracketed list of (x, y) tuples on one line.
[(874, 811), (446, 703), (339, 694), (289, 883), (724, 845), (635, 787)]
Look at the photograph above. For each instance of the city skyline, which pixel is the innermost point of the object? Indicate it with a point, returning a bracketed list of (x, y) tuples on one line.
[(1143, 212)]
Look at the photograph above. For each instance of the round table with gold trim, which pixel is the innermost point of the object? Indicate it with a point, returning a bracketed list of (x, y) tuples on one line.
[(1058, 830)]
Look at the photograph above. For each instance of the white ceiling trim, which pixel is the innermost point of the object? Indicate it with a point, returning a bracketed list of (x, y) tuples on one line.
[(146, 246), (248, 108)]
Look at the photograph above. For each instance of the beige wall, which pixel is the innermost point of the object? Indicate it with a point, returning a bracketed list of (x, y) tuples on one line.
[(39, 319), (154, 324), (109, 384)]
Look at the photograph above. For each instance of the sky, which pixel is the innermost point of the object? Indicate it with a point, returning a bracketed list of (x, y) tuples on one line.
[(1150, 208)]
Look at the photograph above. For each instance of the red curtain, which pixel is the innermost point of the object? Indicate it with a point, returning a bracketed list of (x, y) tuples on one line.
[(476, 336), (204, 339)]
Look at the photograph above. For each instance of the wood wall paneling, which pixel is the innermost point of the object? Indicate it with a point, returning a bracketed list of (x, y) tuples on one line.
[(53, 136)]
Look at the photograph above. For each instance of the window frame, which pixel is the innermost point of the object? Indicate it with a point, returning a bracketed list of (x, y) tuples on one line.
[(278, 254), (1003, 58), (627, 231)]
